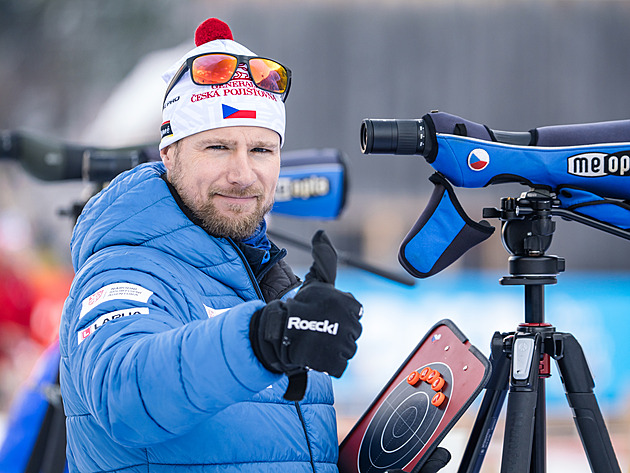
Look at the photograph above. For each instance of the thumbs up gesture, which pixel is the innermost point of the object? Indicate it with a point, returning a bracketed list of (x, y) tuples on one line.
[(324, 267), (316, 329)]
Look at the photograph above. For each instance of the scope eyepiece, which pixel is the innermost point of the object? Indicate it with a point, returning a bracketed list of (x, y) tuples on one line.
[(392, 136)]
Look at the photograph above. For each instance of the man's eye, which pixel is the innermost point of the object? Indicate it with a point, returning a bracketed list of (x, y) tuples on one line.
[(261, 150)]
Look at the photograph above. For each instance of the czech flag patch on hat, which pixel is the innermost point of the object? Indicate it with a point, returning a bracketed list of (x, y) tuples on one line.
[(231, 112)]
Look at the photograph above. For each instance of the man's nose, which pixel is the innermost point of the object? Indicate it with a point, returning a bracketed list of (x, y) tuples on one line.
[(240, 170)]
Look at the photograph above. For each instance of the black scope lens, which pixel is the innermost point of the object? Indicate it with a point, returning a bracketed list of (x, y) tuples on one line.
[(392, 136)]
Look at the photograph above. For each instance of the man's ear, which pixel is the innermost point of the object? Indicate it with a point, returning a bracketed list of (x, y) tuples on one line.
[(167, 156)]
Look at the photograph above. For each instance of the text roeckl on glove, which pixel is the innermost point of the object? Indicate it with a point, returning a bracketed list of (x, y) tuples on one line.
[(316, 329)]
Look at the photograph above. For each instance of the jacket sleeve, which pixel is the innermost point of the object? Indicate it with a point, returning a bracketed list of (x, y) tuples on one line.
[(147, 362)]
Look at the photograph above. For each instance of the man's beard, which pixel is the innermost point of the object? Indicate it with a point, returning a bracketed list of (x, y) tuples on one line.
[(236, 225)]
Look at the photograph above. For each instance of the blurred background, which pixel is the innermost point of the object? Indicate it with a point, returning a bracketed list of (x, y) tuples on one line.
[(88, 73)]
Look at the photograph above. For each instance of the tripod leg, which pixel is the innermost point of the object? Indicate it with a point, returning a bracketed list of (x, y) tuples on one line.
[(521, 408), (578, 385), (539, 442), (489, 410)]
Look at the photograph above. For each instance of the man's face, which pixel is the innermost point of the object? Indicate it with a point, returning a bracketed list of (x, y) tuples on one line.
[(226, 176)]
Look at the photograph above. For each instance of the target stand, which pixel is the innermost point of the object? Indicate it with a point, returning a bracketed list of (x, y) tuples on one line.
[(418, 406)]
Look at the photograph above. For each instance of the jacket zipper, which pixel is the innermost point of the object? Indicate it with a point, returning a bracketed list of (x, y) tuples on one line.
[(260, 295), (250, 273), (308, 442)]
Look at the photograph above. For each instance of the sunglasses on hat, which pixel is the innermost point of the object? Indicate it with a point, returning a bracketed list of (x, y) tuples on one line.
[(219, 68)]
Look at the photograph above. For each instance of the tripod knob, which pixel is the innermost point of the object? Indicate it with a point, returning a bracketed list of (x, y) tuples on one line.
[(490, 212)]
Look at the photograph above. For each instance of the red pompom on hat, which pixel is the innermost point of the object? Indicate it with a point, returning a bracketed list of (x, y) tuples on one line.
[(212, 29)]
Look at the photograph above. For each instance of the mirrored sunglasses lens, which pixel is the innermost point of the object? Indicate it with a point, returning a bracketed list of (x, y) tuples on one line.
[(269, 75), (213, 69)]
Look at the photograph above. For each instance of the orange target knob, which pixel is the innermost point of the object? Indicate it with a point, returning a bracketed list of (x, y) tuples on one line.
[(413, 378), (438, 399), (432, 375), (437, 384), (424, 373)]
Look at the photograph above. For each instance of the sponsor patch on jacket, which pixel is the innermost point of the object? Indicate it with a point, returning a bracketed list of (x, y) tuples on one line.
[(214, 312), (121, 290), (103, 319)]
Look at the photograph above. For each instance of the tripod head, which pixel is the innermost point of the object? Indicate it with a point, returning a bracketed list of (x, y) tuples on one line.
[(526, 232), (527, 228)]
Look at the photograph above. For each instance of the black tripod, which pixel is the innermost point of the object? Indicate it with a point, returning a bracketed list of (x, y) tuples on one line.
[(521, 359)]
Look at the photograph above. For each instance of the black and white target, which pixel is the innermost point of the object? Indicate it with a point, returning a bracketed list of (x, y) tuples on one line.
[(403, 424)]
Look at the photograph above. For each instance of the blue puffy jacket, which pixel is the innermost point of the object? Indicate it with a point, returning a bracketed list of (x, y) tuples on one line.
[(157, 371)]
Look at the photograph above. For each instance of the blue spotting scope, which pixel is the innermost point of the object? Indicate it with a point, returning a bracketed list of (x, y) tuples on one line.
[(590, 156)]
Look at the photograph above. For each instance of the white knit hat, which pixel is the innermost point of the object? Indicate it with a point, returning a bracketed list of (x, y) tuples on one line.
[(191, 108)]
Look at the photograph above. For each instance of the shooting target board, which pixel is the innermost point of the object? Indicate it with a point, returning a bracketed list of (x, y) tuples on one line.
[(418, 406)]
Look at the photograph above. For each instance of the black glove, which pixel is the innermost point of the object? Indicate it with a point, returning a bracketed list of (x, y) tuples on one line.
[(438, 460), (316, 329)]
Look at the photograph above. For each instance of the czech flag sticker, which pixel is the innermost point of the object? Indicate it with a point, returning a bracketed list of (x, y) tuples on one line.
[(231, 112), (478, 159)]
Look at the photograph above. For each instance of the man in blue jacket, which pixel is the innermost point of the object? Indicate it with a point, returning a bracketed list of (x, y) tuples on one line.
[(187, 344)]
